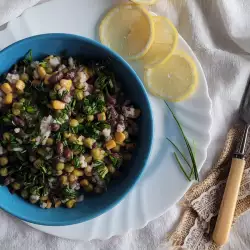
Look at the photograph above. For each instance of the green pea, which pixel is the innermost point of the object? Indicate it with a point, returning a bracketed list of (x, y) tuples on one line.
[(90, 118), (24, 77), (50, 141), (22, 100), (6, 136), (16, 111), (88, 142), (59, 172), (3, 172), (79, 95), (16, 185), (73, 123), (38, 163), (60, 166), (79, 85), (17, 105), (69, 169), (49, 70), (3, 161)]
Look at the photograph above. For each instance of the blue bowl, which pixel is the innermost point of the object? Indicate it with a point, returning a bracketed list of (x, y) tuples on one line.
[(92, 207)]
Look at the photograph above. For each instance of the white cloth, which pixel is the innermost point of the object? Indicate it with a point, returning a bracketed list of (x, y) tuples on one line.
[(219, 34)]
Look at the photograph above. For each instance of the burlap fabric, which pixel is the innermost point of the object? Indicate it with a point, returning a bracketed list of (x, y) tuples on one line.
[(202, 201)]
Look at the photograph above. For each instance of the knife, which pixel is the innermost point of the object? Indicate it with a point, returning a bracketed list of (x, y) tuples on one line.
[(229, 200)]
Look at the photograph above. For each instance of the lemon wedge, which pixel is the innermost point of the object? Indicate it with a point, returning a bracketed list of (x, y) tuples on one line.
[(128, 29), (165, 42), (175, 80), (149, 2)]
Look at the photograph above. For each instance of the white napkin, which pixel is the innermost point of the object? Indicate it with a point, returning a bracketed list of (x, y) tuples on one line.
[(10, 9), (219, 34)]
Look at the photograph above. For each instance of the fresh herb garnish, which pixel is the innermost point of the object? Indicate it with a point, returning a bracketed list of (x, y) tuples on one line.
[(44, 64), (193, 165), (102, 171), (28, 57), (89, 129), (104, 81), (63, 94), (76, 162), (116, 161), (69, 193), (98, 163), (7, 118), (78, 148), (93, 105)]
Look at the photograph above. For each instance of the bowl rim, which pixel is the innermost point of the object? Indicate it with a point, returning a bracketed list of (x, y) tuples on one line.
[(64, 36)]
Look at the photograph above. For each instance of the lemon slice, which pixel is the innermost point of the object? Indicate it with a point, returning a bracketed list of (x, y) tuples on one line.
[(165, 42), (149, 2), (175, 80), (128, 29)]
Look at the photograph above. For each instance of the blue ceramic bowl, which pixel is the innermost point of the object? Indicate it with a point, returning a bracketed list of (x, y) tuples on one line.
[(92, 207)]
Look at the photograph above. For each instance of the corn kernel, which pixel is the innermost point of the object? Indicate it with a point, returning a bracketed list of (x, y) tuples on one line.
[(72, 178), (84, 183), (66, 84), (41, 71), (110, 144), (20, 85), (58, 105), (120, 137), (44, 198), (101, 117), (78, 172), (117, 149), (72, 138), (49, 204), (6, 88), (46, 79), (8, 99), (58, 204), (70, 203)]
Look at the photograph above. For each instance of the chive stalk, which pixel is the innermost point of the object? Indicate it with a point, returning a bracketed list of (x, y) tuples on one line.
[(193, 166)]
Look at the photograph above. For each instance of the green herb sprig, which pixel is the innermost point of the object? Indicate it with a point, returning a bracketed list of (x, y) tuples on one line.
[(28, 57), (192, 165)]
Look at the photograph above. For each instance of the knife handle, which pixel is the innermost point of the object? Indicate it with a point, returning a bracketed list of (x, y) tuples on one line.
[(228, 204)]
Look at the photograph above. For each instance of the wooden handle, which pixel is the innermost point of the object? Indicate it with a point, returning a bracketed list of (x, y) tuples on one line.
[(228, 204)]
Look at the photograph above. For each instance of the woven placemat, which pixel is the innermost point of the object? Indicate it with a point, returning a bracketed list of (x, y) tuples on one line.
[(202, 201)]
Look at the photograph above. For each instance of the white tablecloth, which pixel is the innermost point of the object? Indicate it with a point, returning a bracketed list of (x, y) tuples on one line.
[(219, 33)]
